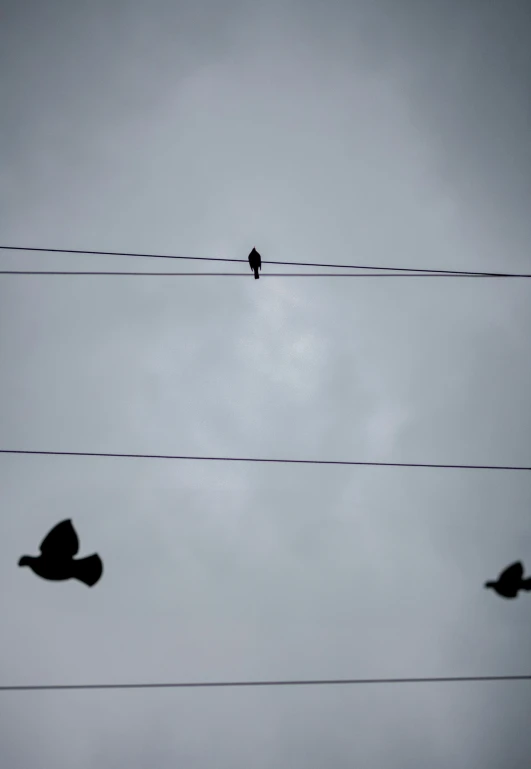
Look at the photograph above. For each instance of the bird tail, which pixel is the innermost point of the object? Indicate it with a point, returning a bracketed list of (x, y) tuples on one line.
[(526, 584), (88, 570), (256, 275)]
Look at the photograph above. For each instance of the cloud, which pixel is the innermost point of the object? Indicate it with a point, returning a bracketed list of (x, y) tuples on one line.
[(365, 133)]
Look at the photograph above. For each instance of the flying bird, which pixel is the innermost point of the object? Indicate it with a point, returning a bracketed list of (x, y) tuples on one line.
[(510, 581), (255, 261), (56, 561)]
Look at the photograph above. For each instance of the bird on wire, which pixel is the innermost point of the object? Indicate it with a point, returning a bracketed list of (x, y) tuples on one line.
[(510, 581), (56, 561), (255, 262)]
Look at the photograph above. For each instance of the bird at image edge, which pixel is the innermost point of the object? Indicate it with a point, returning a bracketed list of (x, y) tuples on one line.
[(510, 581)]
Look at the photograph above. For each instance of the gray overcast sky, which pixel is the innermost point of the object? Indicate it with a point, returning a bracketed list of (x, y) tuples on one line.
[(388, 133)]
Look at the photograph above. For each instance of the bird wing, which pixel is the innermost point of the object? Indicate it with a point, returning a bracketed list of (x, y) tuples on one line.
[(513, 572), (61, 541)]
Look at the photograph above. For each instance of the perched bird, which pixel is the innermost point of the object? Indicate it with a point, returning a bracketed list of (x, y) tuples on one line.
[(510, 581), (56, 561), (255, 261)]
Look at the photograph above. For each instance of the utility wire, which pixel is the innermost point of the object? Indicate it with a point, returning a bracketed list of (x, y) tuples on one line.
[(253, 459), (299, 264), (264, 275), (316, 682)]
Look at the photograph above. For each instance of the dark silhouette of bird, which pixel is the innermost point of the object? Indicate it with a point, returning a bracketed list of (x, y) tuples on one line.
[(56, 561), (255, 261), (510, 581)]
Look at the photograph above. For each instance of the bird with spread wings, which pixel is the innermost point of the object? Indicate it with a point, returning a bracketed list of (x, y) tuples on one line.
[(511, 581), (56, 561)]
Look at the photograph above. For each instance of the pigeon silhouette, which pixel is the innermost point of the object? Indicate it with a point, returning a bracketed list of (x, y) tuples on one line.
[(56, 561), (255, 261), (510, 581)]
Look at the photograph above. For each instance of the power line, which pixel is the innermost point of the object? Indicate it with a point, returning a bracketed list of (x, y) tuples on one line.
[(265, 275), (316, 682), (254, 459), (299, 264)]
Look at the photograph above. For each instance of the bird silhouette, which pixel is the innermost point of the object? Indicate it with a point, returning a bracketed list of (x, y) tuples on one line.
[(510, 581), (255, 261), (56, 561)]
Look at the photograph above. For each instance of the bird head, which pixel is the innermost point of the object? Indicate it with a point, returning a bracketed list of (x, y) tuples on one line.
[(25, 560), (489, 584)]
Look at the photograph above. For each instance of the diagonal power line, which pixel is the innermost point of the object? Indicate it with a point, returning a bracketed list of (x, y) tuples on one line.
[(299, 264), (315, 682), (266, 274), (255, 459)]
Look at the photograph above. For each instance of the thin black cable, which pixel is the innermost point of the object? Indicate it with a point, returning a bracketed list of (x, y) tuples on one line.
[(298, 264), (253, 459), (316, 682), (264, 275)]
